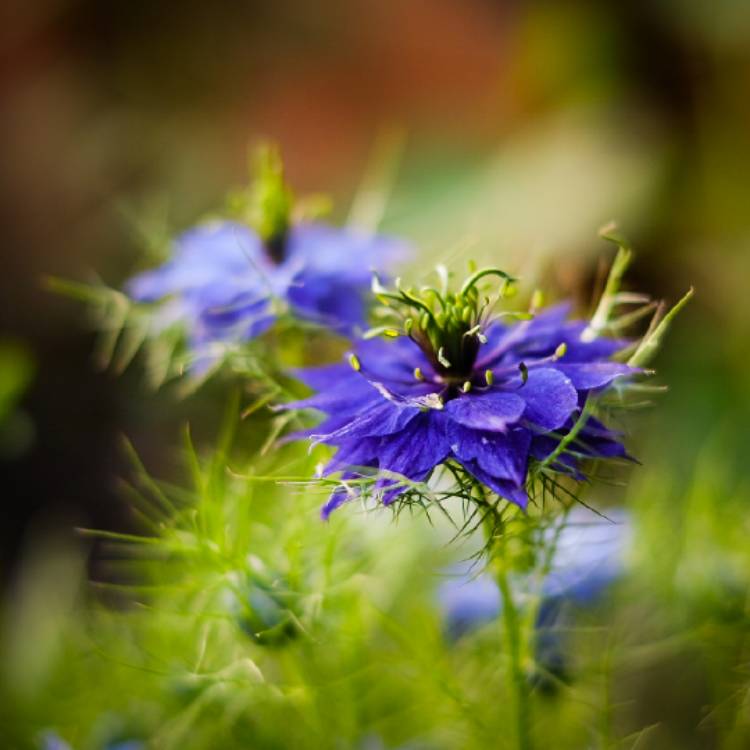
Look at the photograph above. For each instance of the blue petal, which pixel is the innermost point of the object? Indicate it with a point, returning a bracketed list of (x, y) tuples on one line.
[(509, 490), (325, 249), (504, 455), (419, 447), (586, 376), (492, 410), (381, 418), (326, 376), (211, 254), (550, 398)]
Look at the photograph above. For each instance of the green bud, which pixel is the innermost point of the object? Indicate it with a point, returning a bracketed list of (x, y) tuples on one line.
[(271, 198)]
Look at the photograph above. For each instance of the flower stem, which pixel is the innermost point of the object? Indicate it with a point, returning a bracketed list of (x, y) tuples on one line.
[(513, 632), (519, 685)]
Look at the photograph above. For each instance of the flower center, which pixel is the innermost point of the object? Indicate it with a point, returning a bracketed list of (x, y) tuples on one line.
[(447, 326)]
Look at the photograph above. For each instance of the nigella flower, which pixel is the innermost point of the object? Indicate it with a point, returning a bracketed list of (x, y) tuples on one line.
[(227, 281), (454, 383)]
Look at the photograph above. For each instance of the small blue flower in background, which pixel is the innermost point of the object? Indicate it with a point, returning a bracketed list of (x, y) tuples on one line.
[(227, 281), (591, 554), (462, 385), (52, 741)]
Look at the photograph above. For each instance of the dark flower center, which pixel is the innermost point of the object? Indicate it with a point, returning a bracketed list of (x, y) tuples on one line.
[(447, 326)]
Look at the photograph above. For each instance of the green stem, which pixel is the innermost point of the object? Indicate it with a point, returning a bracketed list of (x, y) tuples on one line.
[(513, 631), (519, 685)]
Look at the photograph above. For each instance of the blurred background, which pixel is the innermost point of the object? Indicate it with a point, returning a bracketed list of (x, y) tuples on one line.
[(525, 125)]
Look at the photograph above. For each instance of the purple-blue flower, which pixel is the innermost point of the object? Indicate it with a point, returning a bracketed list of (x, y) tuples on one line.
[(457, 384), (590, 555), (227, 281), (224, 284)]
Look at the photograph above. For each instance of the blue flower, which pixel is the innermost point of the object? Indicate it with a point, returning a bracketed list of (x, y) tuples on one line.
[(224, 284), (228, 281), (457, 384), (590, 556)]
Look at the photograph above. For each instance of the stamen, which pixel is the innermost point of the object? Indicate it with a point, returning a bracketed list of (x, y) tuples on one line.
[(354, 362), (489, 377), (418, 375), (524, 372), (442, 359), (466, 387)]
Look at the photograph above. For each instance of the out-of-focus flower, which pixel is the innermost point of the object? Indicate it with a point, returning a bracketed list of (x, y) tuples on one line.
[(227, 281), (52, 741), (455, 382), (590, 554)]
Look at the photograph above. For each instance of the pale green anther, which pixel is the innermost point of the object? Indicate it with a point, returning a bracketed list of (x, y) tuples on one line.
[(391, 333), (466, 314), (354, 362), (424, 321), (442, 359), (408, 325), (537, 299), (560, 351), (489, 377), (466, 387), (510, 290), (418, 373)]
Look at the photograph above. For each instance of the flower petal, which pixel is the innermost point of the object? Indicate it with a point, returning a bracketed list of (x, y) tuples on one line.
[(504, 455), (509, 490), (549, 396), (585, 376), (492, 410)]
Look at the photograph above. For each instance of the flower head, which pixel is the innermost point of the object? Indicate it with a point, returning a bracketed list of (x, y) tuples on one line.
[(454, 381), (227, 281)]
